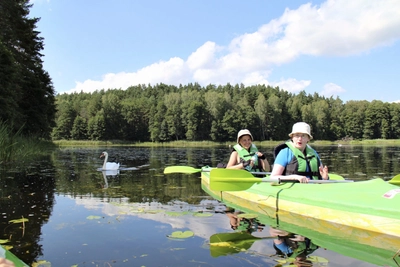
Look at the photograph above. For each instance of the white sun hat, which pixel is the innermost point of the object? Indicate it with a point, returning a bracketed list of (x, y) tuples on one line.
[(244, 132), (301, 127)]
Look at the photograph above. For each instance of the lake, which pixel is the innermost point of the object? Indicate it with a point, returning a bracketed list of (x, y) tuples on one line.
[(80, 216)]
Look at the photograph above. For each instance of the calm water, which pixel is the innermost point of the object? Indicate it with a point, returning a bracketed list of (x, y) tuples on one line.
[(81, 216)]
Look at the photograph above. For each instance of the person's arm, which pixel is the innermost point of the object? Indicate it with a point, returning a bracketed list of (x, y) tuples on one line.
[(233, 162), (264, 162)]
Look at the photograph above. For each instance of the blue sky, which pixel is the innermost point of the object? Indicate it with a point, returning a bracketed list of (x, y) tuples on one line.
[(349, 49)]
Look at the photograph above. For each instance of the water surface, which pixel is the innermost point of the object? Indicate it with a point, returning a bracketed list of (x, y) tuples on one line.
[(81, 216)]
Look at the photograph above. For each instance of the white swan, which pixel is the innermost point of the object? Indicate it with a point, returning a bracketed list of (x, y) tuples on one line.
[(108, 165)]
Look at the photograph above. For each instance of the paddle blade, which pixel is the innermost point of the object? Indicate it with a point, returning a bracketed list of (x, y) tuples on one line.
[(335, 177), (395, 180), (181, 169), (231, 180)]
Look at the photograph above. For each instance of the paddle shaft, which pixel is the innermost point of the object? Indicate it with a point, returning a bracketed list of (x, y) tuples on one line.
[(274, 180), (190, 170), (232, 175)]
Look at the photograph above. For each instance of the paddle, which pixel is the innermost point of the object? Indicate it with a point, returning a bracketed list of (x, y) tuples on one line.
[(181, 169), (238, 180), (229, 243), (190, 170), (395, 180)]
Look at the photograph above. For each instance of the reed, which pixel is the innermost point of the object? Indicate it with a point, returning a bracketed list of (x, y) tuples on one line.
[(15, 146), (87, 143)]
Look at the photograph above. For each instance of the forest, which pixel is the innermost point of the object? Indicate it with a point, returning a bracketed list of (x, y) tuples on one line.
[(161, 112)]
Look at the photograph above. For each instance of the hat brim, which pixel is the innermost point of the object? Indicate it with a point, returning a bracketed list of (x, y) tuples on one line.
[(291, 135)]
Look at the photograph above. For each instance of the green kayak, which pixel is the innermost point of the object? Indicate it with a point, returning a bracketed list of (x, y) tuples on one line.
[(9, 256), (372, 205)]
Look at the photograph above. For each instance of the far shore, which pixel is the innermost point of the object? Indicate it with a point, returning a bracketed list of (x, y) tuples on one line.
[(374, 142)]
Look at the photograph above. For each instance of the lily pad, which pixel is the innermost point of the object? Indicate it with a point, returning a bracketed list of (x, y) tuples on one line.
[(93, 217), (317, 259), (7, 247), (181, 235), (174, 213), (41, 263), (137, 210), (153, 211), (19, 220), (202, 214)]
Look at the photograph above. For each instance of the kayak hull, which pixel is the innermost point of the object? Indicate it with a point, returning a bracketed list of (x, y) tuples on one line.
[(372, 206)]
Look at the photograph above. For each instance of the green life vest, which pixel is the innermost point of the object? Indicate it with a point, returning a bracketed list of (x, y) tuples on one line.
[(304, 247), (246, 155), (299, 162)]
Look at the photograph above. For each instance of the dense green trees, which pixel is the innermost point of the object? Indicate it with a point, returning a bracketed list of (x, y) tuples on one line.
[(27, 94), (164, 113)]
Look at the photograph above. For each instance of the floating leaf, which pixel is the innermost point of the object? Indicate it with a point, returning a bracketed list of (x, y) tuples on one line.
[(3, 241), (318, 259), (174, 213), (202, 214), (177, 248), (153, 211), (181, 235), (41, 263), (93, 217), (19, 220), (247, 215), (137, 211), (7, 247), (283, 261)]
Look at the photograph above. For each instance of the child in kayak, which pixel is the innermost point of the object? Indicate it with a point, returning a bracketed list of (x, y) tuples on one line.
[(296, 160), (245, 155)]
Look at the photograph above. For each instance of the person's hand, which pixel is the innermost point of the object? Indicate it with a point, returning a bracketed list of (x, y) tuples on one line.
[(302, 179), (261, 155), (324, 172), (6, 263), (246, 163)]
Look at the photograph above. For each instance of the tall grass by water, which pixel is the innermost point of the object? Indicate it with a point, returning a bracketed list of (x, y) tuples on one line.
[(16, 147), (183, 143)]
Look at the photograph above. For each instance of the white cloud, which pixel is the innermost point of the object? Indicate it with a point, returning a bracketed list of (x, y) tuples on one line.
[(335, 28), (292, 85), (331, 89)]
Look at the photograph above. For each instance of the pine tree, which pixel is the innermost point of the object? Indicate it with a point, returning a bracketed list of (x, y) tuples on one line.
[(26, 88)]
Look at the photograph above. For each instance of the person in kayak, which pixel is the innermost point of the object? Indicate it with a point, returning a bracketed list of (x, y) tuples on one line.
[(296, 160), (289, 245), (245, 155)]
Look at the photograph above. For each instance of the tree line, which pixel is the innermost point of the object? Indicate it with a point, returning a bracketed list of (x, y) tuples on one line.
[(163, 113)]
